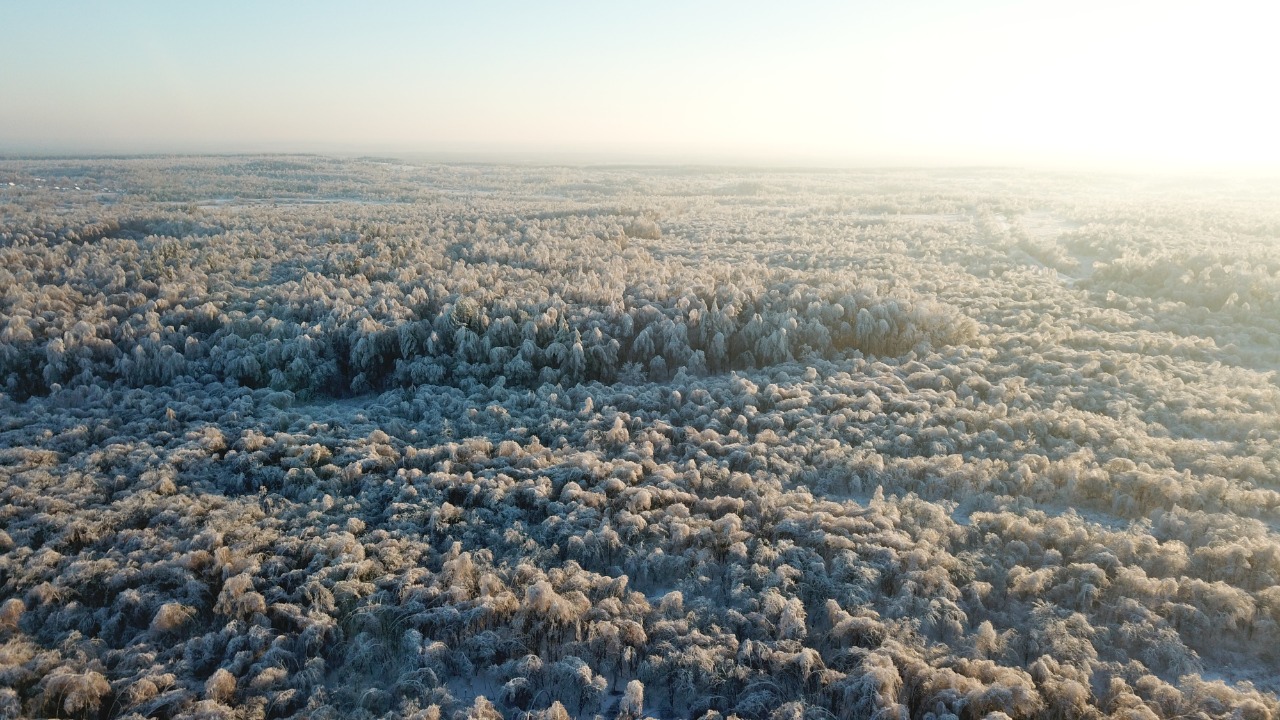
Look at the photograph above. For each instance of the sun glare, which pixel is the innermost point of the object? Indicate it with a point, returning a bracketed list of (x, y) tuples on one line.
[(1138, 85)]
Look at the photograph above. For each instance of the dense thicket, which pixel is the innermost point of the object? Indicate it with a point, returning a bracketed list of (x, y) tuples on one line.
[(313, 437)]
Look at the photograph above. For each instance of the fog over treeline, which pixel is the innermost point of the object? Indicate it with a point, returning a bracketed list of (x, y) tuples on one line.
[(295, 436)]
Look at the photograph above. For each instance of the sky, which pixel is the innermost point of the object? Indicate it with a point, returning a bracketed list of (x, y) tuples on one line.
[(1116, 84)]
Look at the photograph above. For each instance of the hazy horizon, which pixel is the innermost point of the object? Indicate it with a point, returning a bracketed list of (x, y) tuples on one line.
[(1121, 86)]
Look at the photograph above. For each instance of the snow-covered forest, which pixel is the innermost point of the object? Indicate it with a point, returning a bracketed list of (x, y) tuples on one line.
[(352, 438)]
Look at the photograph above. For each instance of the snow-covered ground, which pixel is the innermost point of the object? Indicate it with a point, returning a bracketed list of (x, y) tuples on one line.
[(377, 439)]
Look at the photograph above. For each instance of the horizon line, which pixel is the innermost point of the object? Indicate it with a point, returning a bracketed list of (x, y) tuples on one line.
[(618, 161)]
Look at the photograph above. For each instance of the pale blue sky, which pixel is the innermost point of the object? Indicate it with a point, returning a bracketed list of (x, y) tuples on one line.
[(1058, 83)]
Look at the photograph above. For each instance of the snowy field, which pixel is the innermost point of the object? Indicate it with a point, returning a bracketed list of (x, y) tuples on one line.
[(311, 437)]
